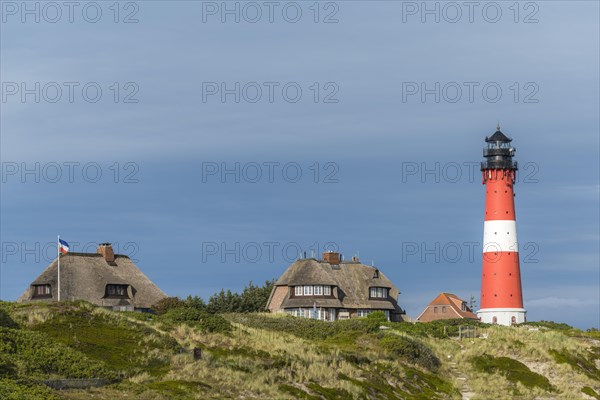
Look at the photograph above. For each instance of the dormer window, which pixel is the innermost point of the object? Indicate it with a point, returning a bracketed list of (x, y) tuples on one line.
[(117, 291), (378, 293), (376, 274), (463, 306), (312, 290), (41, 291)]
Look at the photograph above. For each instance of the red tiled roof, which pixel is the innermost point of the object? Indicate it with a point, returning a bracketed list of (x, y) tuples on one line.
[(455, 303)]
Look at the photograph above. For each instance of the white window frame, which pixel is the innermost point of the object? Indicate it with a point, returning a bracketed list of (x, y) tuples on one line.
[(326, 290), (298, 290), (318, 290), (378, 293), (363, 313), (308, 290)]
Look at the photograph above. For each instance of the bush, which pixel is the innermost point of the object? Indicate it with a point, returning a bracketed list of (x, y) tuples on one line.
[(411, 350), (12, 390), (5, 319), (32, 354), (312, 329), (166, 304), (559, 326), (513, 370), (377, 316), (194, 317)]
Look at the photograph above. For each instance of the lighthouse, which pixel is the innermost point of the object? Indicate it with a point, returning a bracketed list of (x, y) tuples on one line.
[(501, 295)]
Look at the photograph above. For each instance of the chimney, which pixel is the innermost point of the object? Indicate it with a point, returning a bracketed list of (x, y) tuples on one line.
[(331, 257), (107, 252)]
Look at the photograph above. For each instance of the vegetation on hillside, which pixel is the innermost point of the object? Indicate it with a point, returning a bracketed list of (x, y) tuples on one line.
[(188, 351)]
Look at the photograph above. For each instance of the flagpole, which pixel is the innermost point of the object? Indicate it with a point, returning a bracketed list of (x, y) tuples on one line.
[(58, 256)]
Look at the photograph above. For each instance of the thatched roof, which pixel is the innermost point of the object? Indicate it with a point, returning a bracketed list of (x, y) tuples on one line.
[(84, 276), (352, 280)]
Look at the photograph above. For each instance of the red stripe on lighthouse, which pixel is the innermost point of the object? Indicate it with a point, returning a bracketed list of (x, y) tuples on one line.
[(501, 277)]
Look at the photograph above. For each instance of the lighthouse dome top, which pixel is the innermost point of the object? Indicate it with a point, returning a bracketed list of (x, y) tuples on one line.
[(498, 136)]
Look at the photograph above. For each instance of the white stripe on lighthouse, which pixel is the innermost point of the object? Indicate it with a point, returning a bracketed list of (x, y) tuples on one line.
[(500, 235)]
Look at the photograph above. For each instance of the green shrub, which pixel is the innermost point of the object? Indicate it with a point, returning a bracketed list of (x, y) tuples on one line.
[(194, 317), (5, 319), (590, 392), (576, 361), (125, 346), (12, 390), (377, 316), (166, 304), (513, 370), (215, 324), (550, 325), (311, 329), (28, 354), (411, 350)]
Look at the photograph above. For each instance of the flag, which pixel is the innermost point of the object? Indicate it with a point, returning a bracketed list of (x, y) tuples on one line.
[(63, 246)]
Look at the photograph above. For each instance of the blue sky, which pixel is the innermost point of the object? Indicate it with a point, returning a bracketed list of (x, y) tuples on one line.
[(386, 156)]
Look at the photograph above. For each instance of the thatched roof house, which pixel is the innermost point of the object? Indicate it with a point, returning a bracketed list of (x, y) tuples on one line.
[(331, 289), (105, 279)]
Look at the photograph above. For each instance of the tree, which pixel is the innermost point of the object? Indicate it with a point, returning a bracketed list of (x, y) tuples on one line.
[(473, 303)]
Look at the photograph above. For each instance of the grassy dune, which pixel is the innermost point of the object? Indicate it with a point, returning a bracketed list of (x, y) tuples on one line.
[(261, 356)]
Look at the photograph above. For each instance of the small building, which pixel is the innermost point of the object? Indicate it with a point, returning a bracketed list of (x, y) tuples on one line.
[(102, 278), (446, 306), (331, 288)]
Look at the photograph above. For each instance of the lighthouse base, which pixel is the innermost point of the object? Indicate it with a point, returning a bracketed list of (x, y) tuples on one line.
[(502, 316)]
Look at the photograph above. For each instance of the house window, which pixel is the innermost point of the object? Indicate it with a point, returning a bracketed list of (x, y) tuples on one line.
[(298, 290), (308, 290), (463, 306), (326, 290), (318, 290), (119, 291), (42, 291), (363, 313), (443, 309), (435, 310), (292, 311), (376, 274), (378, 293)]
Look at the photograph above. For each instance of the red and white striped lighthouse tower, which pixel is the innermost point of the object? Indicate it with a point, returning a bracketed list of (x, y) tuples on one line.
[(501, 296)]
